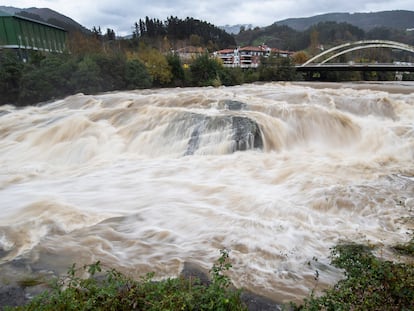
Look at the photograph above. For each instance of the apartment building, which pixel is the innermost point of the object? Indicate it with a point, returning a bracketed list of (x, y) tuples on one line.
[(248, 56)]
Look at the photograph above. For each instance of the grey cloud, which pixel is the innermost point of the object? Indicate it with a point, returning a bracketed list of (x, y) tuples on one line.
[(122, 14)]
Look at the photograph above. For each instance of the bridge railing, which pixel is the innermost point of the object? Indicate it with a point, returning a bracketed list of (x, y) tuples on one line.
[(358, 45)]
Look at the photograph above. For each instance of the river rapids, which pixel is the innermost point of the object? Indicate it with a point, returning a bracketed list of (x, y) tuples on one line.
[(147, 180)]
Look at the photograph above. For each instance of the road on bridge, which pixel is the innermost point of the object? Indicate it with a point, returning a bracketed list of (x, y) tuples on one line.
[(401, 67)]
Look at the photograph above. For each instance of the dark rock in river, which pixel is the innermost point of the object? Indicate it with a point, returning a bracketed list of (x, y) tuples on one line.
[(246, 132), (12, 296), (194, 141), (3, 253), (252, 301), (258, 303), (232, 105), (193, 271)]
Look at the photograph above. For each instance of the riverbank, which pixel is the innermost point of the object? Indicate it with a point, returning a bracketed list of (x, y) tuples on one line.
[(370, 283), (110, 177), (21, 292)]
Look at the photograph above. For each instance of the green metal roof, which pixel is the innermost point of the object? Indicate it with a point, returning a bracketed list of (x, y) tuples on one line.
[(18, 32), (5, 14)]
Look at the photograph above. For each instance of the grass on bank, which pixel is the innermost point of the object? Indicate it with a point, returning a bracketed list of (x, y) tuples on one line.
[(115, 291), (369, 284)]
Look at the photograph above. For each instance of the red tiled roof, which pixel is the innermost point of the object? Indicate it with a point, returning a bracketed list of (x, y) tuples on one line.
[(251, 48), (225, 51)]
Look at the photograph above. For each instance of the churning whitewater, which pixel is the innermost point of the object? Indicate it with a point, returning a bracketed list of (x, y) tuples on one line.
[(148, 180)]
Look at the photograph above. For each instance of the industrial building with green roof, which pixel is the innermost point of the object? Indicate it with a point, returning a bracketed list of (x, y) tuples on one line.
[(21, 33)]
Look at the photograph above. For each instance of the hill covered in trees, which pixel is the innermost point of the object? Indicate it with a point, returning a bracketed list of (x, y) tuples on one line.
[(297, 34), (327, 33), (399, 19), (290, 34)]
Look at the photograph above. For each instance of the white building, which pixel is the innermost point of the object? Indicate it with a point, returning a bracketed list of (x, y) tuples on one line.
[(248, 56)]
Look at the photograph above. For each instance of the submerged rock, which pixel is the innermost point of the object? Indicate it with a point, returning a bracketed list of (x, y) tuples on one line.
[(233, 105), (12, 296), (3, 253), (246, 133), (194, 141), (193, 271), (259, 303)]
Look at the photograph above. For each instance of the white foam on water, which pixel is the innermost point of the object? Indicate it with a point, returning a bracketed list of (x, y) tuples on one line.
[(109, 177)]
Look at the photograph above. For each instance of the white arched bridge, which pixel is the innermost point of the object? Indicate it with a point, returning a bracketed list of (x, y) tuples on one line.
[(323, 61)]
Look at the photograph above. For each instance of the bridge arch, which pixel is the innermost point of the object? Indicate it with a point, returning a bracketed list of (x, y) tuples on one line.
[(358, 45)]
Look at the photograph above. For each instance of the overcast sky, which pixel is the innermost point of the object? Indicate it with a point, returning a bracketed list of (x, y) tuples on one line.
[(120, 15)]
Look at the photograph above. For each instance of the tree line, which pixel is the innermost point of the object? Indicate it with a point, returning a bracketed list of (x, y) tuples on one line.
[(99, 62), (94, 66), (175, 29)]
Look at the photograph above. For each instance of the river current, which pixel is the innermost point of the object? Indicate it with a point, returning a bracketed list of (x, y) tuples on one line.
[(147, 180)]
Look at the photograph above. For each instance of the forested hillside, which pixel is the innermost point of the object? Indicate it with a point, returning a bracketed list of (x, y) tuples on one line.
[(323, 33), (397, 19)]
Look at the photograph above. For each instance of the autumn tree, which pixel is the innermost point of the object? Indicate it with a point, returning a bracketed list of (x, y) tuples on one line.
[(156, 64), (300, 57), (206, 71), (81, 44)]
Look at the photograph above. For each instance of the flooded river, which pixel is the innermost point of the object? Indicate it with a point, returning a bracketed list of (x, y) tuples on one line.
[(148, 180)]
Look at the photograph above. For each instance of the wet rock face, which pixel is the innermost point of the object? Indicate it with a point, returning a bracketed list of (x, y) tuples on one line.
[(246, 133), (194, 141), (233, 105), (12, 296), (3, 253)]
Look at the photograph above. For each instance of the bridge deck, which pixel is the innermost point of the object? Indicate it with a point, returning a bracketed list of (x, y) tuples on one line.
[(356, 67)]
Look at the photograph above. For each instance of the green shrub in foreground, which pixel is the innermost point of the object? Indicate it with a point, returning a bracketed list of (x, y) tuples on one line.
[(370, 284), (115, 291)]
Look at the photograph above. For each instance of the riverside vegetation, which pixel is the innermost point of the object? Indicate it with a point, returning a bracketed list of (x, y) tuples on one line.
[(47, 77), (370, 283), (99, 63), (96, 62), (115, 291)]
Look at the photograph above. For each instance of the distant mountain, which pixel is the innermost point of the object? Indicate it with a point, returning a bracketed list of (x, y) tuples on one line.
[(235, 29), (9, 9), (400, 19), (47, 16), (332, 29)]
